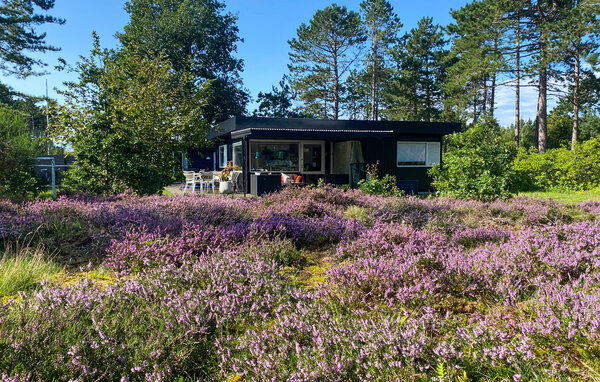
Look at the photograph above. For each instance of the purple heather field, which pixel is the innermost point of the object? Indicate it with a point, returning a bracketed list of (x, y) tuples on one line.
[(307, 284)]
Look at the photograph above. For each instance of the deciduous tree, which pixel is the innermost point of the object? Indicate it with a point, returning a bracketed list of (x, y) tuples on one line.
[(125, 118), (197, 37)]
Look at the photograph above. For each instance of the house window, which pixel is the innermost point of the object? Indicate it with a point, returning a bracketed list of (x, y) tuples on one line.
[(418, 154), (274, 156), (223, 156), (237, 154), (288, 156)]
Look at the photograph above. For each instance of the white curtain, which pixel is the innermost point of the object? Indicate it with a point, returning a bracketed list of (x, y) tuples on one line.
[(345, 153)]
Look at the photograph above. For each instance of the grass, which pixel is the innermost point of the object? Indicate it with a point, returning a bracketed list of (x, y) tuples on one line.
[(567, 197), (22, 269)]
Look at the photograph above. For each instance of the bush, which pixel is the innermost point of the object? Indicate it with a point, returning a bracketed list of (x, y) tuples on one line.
[(477, 164), (17, 153), (374, 185), (560, 168)]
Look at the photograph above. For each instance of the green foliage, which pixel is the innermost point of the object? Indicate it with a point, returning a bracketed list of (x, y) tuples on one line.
[(125, 118), (17, 154), (17, 21), (477, 164), (382, 26), (321, 57), (559, 169), (198, 39), (375, 185), (421, 59), (385, 186), (278, 103), (477, 56)]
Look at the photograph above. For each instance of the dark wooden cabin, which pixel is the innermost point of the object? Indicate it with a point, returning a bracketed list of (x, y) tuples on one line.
[(335, 151)]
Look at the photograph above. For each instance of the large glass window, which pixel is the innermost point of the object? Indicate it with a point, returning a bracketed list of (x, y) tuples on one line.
[(223, 156), (424, 154), (274, 156), (237, 154)]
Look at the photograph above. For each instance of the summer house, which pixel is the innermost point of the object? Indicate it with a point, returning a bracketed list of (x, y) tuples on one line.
[(306, 150)]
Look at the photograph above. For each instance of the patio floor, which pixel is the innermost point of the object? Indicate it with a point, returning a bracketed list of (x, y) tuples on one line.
[(176, 189)]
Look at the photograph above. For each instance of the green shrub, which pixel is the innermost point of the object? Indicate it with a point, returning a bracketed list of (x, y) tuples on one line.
[(375, 185), (559, 169), (477, 164), (17, 153)]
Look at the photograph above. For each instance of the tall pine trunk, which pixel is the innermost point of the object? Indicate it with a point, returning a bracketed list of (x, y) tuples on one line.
[(541, 116), (575, 134), (493, 90), (336, 90), (374, 106), (518, 85), (485, 93)]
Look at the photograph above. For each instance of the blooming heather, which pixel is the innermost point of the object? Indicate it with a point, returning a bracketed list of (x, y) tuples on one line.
[(291, 287)]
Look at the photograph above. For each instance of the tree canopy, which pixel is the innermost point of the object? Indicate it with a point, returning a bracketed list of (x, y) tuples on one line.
[(322, 55), (197, 37)]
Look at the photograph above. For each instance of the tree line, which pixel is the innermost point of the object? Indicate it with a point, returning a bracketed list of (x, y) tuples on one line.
[(360, 65), (175, 74)]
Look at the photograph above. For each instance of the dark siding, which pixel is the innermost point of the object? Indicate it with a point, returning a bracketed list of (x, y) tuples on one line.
[(201, 159), (415, 173), (384, 151)]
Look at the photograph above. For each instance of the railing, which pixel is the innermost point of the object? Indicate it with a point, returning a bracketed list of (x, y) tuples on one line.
[(53, 166)]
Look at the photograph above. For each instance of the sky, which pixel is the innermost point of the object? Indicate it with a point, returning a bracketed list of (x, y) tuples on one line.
[(265, 26)]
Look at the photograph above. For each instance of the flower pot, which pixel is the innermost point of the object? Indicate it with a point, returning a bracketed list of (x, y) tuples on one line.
[(225, 186)]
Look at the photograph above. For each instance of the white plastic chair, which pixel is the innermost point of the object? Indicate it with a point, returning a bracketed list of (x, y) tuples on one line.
[(235, 176), (216, 180), (190, 180), (206, 180)]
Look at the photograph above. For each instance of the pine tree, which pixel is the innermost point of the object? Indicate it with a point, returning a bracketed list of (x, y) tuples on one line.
[(278, 103), (381, 26), (579, 41), (420, 60), (543, 25), (478, 53), (18, 36), (322, 55)]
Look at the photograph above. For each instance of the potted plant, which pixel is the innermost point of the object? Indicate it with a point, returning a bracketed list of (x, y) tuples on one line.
[(226, 185)]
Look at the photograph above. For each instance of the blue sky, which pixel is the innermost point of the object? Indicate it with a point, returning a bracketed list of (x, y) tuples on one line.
[(265, 26)]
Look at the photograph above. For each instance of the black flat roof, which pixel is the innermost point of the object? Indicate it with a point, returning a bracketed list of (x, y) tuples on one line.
[(242, 126)]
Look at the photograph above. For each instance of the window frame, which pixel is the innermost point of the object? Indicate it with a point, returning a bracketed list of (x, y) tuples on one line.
[(233, 147), (223, 156), (429, 160)]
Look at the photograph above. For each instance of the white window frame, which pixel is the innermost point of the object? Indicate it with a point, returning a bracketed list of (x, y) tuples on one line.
[(431, 148), (233, 146), (223, 156), (301, 164), (300, 152)]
